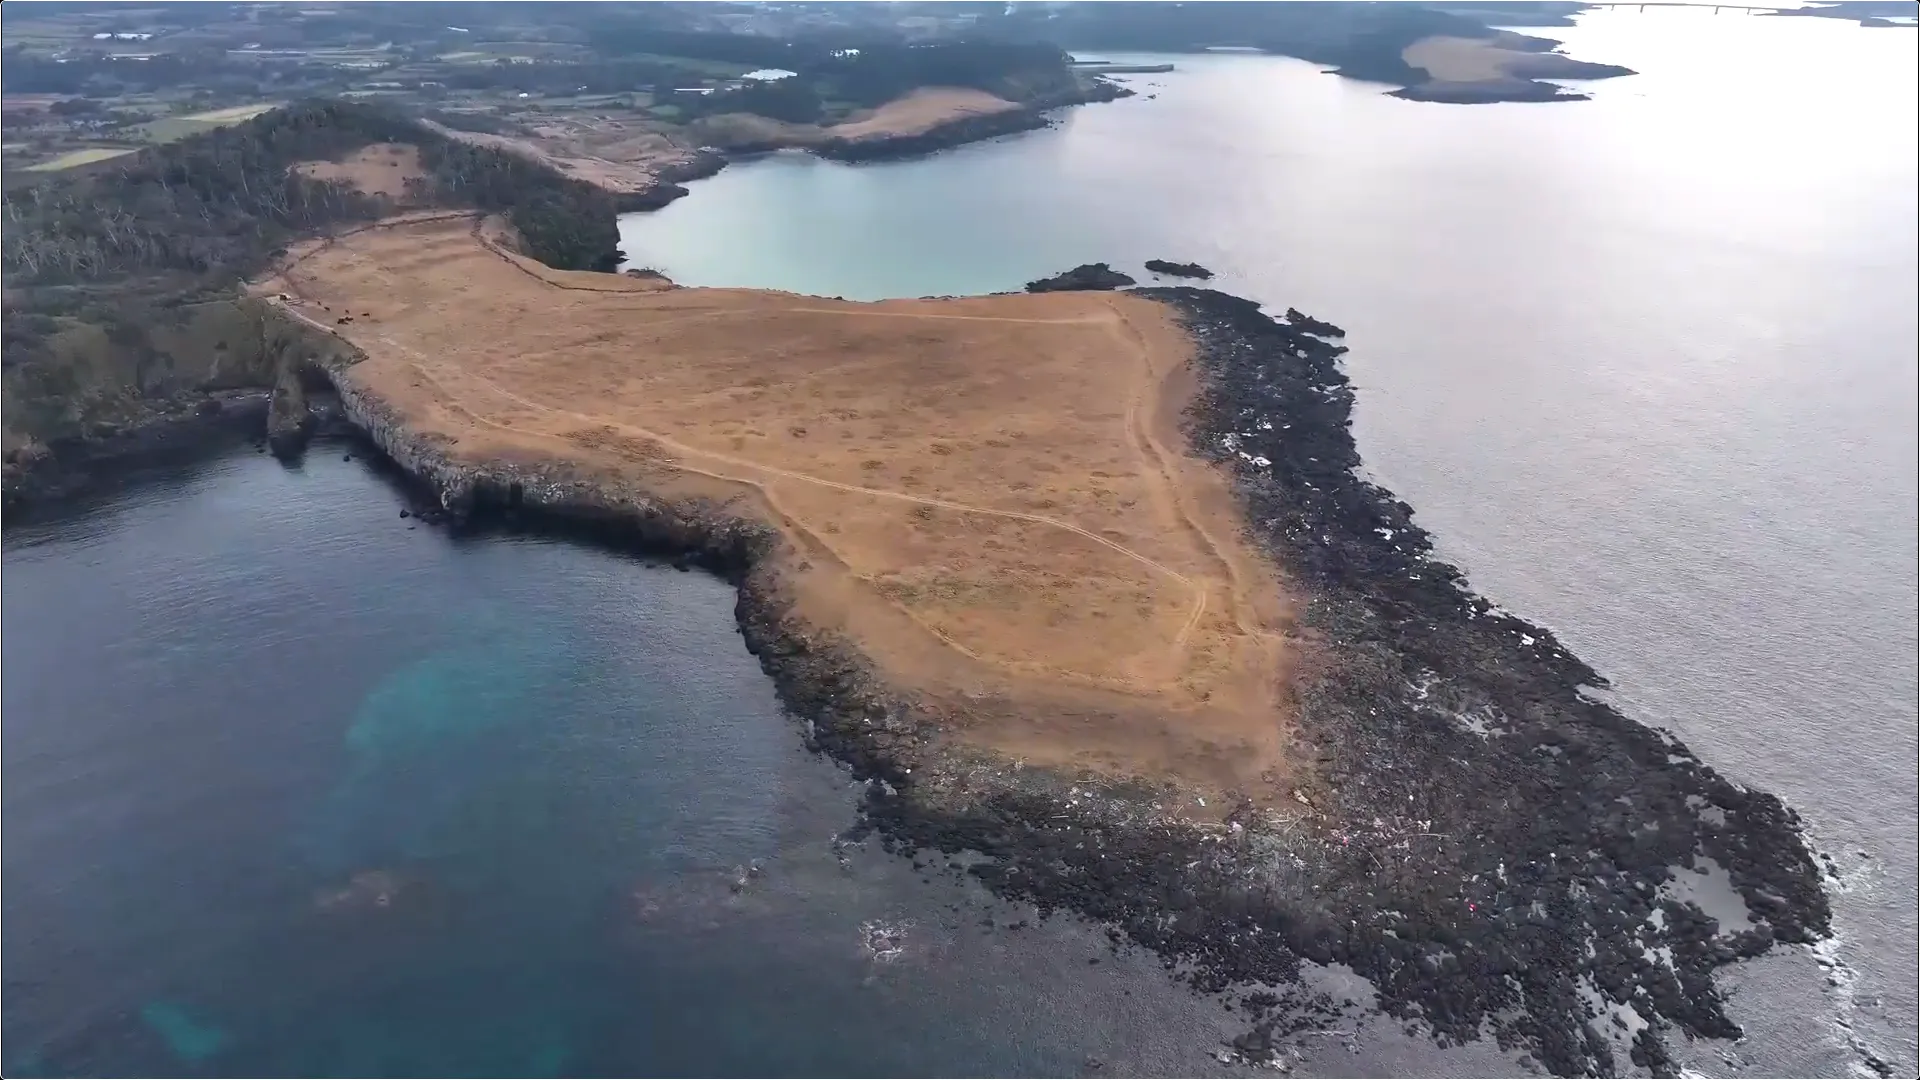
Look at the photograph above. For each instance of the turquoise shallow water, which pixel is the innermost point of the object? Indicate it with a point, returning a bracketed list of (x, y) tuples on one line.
[(1645, 366)]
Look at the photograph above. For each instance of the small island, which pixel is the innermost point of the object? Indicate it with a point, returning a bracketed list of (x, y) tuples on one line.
[(1178, 269), (1090, 277)]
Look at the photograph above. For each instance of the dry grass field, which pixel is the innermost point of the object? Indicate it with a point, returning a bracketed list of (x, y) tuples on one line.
[(990, 494)]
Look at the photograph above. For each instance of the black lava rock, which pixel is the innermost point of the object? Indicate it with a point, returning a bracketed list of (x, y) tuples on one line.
[(1500, 839), (1178, 269), (1090, 277), (1307, 324)]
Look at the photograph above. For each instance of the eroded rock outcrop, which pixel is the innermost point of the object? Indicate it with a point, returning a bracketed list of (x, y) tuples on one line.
[(290, 420), (1178, 269), (1087, 277), (1307, 324)]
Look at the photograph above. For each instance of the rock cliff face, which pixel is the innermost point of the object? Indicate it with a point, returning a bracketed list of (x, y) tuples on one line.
[(290, 421), (83, 394)]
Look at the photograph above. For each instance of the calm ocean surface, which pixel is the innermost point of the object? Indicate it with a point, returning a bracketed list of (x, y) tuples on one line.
[(292, 785)]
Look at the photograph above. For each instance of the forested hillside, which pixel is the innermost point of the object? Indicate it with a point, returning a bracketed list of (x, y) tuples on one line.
[(122, 284)]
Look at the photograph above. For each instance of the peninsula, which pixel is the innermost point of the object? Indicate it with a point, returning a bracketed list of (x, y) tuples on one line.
[(1083, 582)]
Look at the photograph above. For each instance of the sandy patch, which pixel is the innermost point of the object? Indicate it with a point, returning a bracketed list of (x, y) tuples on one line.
[(377, 169), (990, 494)]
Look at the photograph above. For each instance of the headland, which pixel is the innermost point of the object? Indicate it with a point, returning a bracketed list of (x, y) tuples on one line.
[(1084, 582)]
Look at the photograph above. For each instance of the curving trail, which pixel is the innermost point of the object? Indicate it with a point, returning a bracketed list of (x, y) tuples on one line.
[(1154, 456)]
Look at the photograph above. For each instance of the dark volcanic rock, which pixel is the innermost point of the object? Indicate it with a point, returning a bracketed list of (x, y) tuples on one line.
[(1178, 269), (37, 474), (1307, 324), (1091, 276), (290, 422), (1503, 839)]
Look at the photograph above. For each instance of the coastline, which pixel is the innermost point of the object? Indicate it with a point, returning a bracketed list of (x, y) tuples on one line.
[(1461, 910), (1467, 913)]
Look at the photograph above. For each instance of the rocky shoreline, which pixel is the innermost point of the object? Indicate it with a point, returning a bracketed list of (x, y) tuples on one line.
[(1493, 849), (1544, 833)]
